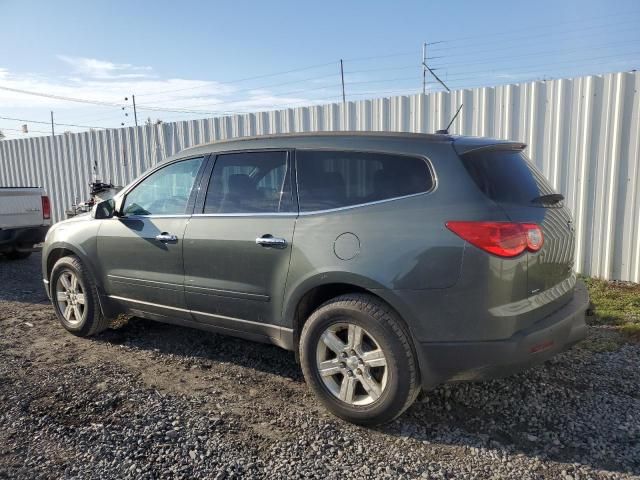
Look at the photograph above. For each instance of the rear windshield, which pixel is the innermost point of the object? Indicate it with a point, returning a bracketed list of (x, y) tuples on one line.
[(506, 176)]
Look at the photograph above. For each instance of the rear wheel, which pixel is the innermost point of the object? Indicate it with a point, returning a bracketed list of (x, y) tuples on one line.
[(16, 255), (75, 298), (356, 356)]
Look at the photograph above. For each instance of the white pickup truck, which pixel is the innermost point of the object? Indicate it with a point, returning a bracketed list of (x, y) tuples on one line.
[(25, 217)]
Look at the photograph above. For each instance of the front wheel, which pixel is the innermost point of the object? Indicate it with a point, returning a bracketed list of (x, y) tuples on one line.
[(75, 298), (357, 357)]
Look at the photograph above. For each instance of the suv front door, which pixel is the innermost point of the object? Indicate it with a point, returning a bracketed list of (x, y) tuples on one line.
[(141, 250), (237, 245)]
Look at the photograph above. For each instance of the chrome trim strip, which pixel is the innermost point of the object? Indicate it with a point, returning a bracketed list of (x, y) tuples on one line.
[(349, 207), (239, 320), (141, 302), (223, 317), (139, 281), (142, 217), (226, 293), (248, 214), (312, 212)]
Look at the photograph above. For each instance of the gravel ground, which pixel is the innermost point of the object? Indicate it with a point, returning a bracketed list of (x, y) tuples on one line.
[(151, 400)]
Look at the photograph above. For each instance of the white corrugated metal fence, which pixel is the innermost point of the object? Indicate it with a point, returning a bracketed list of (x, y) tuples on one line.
[(583, 133)]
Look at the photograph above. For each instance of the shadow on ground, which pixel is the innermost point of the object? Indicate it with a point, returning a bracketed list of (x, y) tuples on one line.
[(553, 412)]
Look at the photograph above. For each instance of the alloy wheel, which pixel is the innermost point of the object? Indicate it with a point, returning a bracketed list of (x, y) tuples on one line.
[(351, 364), (70, 297)]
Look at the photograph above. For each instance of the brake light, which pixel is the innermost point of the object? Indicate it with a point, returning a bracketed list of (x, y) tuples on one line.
[(504, 239), (46, 208)]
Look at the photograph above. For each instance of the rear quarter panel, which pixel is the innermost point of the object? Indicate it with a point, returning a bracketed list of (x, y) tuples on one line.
[(402, 244)]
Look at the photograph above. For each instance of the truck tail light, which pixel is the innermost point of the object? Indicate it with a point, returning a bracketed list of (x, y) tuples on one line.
[(504, 239), (46, 208)]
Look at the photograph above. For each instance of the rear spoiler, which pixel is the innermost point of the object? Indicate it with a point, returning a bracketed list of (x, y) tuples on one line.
[(465, 146)]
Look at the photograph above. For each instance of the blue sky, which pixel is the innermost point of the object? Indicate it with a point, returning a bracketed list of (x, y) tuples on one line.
[(204, 57)]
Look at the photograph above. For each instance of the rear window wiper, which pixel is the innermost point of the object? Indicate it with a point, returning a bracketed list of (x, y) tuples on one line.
[(549, 199)]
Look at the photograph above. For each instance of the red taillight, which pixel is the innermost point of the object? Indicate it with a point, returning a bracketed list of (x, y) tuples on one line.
[(46, 208), (504, 239)]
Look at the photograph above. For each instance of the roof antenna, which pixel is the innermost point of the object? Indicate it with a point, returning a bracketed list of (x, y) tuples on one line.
[(446, 130)]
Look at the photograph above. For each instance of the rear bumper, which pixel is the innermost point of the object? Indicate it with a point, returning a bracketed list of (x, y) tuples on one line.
[(23, 238), (463, 361)]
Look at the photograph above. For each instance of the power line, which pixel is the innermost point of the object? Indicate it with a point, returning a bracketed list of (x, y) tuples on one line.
[(543, 27), (535, 54), (47, 123), (249, 89), (377, 57), (589, 60), (241, 79), (513, 44), (19, 130), (231, 102), (60, 97)]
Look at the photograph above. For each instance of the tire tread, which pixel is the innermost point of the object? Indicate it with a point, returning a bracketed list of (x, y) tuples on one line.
[(383, 314), (98, 323)]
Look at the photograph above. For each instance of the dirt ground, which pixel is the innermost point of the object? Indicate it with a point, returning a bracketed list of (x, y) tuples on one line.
[(157, 401)]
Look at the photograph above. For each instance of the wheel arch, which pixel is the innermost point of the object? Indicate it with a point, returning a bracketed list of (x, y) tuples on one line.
[(316, 290), (59, 250), (62, 249)]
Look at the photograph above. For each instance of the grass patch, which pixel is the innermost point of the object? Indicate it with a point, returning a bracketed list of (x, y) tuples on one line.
[(616, 304)]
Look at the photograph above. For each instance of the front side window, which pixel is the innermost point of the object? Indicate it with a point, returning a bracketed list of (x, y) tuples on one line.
[(334, 179), (164, 192), (250, 182)]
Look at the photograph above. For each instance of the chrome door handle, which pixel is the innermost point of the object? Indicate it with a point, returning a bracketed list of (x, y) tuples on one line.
[(166, 237), (271, 241)]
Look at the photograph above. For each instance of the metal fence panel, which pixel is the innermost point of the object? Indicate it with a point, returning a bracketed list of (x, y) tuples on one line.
[(583, 133)]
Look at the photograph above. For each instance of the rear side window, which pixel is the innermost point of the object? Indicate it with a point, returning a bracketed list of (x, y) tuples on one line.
[(334, 179), (506, 176)]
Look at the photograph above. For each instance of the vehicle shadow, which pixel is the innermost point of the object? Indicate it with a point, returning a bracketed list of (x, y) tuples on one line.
[(552, 412), (202, 347)]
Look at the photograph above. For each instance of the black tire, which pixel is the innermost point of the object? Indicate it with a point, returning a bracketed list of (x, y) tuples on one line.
[(15, 255), (93, 321), (383, 324)]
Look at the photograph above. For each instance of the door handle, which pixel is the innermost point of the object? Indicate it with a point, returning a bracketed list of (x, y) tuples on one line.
[(165, 237), (271, 241)]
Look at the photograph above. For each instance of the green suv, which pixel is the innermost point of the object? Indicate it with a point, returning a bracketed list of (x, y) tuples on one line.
[(387, 262)]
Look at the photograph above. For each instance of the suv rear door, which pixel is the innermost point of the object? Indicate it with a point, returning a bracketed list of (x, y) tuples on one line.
[(504, 174), (238, 242)]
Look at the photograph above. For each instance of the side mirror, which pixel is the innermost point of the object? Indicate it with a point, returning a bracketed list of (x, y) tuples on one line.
[(104, 209)]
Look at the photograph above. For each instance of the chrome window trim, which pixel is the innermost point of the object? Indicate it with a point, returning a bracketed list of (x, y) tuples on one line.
[(367, 204), (184, 310), (312, 212), (141, 217), (248, 214)]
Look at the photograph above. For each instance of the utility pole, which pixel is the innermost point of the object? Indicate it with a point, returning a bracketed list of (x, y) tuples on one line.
[(344, 101), (424, 69), (135, 113), (53, 132), (344, 98)]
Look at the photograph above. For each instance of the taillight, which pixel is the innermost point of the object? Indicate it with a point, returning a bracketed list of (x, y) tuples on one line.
[(46, 208), (504, 239)]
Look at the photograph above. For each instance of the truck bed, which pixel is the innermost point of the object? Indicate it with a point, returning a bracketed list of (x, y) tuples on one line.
[(21, 207)]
